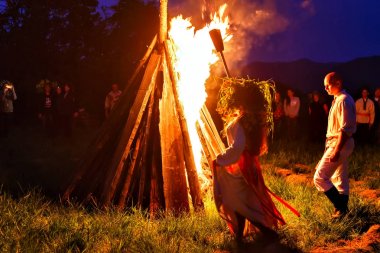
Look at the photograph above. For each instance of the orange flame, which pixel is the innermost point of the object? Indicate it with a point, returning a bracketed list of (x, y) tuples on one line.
[(195, 54)]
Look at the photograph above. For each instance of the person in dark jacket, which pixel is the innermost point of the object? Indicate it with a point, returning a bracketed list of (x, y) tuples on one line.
[(318, 112), (66, 110), (46, 110)]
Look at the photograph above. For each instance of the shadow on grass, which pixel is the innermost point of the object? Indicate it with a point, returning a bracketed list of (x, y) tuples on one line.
[(30, 159), (265, 245)]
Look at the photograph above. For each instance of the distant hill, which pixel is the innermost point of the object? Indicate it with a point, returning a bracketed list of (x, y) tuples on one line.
[(305, 75)]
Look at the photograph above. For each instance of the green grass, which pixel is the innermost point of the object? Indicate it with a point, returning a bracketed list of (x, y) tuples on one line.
[(314, 227), (31, 221), (33, 224)]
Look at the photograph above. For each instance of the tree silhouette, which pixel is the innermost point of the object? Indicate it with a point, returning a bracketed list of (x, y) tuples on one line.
[(69, 41)]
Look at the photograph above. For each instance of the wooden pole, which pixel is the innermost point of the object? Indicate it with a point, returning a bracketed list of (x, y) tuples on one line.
[(130, 130), (205, 146), (173, 164), (157, 200), (141, 63), (146, 159), (163, 21), (206, 117), (92, 162), (128, 179), (191, 169)]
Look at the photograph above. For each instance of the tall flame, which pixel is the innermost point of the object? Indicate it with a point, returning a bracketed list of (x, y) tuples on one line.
[(195, 54)]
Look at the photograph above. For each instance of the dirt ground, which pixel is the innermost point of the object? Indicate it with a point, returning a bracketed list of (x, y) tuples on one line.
[(370, 240)]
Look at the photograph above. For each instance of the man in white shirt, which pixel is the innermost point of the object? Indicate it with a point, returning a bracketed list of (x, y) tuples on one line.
[(331, 175), (365, 117)]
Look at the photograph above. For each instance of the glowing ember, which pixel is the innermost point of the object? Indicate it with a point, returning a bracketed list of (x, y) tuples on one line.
[(195, 54)]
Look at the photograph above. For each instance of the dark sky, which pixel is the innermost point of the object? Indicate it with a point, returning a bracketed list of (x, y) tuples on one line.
[(320, 30), (334, 30)]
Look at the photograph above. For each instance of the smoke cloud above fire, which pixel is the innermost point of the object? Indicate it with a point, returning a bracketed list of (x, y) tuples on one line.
[(252, 22)]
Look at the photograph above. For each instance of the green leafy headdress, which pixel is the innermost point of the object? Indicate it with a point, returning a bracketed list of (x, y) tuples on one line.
[(255, 97)]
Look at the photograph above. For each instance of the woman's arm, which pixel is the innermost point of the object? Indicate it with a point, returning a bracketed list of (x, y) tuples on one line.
[(235, 149)]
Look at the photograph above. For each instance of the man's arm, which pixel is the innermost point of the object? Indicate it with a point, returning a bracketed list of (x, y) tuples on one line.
[(342, 138), (347, 120)]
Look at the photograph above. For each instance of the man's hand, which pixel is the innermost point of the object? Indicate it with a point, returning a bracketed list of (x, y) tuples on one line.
[(334, 156)]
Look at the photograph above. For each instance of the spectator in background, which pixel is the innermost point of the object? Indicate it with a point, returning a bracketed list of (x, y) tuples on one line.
[(111, 99), (46, 110), (365, 117), (7, 96), (376, 124), (318, 112), (66, 109), (291, 109), (278, 115)]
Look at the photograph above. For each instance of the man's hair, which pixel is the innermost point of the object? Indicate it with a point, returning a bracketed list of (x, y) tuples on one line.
[(363, 88), (335, 78)]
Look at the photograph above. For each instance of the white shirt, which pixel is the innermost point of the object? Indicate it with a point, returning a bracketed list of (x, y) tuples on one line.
[(111, 99), (292, 109), (366, 116), (342, 115)]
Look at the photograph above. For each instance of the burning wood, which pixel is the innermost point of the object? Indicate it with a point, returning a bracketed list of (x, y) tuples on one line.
[(149, 153)]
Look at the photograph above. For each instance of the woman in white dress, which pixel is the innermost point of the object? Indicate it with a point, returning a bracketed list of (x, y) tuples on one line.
[(241, 196)]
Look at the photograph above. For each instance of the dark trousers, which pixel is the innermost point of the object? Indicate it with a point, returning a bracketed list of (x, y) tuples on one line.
[(67, 124), (6, 120), (363, 134), (48, 123), (292, 127)]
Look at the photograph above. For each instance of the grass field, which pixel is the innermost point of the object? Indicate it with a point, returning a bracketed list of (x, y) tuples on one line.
[(35, 168)]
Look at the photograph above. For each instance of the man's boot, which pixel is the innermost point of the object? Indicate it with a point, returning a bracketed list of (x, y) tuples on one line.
[(334, 197), (343, 207)]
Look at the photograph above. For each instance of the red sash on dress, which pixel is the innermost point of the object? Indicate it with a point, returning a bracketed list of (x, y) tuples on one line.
[(251, 170)]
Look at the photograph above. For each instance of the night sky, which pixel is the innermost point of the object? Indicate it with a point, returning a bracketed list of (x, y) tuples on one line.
[(320, 30)]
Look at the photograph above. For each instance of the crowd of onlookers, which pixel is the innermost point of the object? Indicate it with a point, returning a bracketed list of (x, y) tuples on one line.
[(287, 117), (58, 107)]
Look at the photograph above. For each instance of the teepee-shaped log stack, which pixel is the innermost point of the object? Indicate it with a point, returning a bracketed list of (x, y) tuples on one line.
[(142, 155)]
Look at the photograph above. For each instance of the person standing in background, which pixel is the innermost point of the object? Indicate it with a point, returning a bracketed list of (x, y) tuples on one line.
[(111, 99), (291, 109), (46, 110), (318, 112), (365, 117), (66, 109), (7, 96)]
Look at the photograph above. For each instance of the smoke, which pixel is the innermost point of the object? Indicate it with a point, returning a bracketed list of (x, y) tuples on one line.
[(308, 6), (252, 22)]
